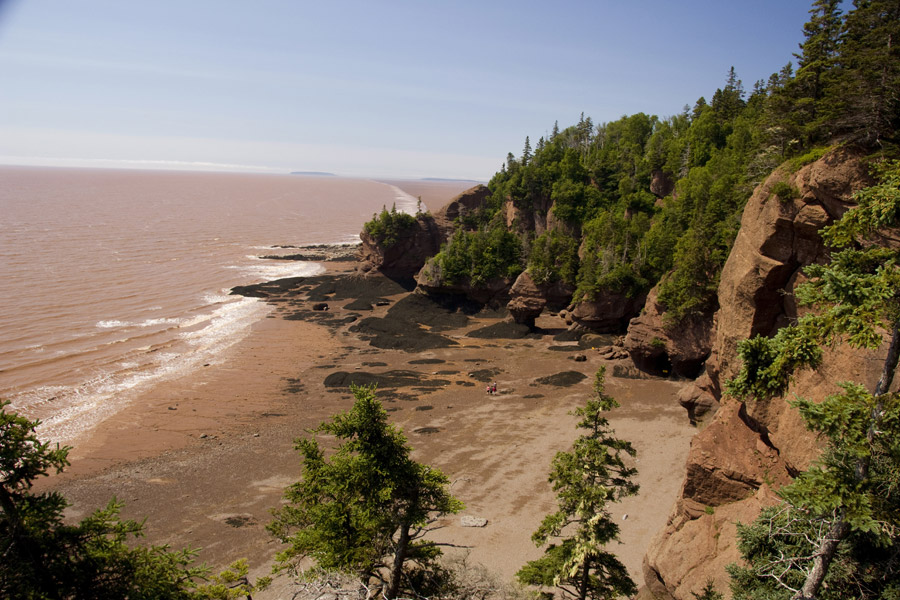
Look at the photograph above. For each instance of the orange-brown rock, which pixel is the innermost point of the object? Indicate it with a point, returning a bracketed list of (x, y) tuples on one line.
[(405, 257), (468, 201), (777, 238), (609, 312), (661, 185), (422, 241), (666, 350), (751, 445), (528, 299), (494, 293), (688, 552)]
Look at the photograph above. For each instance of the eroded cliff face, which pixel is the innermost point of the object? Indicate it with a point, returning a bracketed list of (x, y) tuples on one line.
[(663, 349), (746, 449)]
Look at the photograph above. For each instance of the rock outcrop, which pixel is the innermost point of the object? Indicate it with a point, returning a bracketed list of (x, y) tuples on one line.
[(407, 255), (528, 299), (421, 241), (748, 447), (493, 293), (663, 350), (610, 312)]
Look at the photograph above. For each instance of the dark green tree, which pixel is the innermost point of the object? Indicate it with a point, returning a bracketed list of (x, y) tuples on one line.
[(388, 226), (586, 480), (868, 103), (364, 509), (847, 503), (817, 64), (44, 557)]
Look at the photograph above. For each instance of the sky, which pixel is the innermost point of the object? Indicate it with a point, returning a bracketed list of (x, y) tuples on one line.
[(365, 88)]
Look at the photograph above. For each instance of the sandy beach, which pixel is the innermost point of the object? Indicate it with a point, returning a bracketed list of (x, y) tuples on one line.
[(206, 457)]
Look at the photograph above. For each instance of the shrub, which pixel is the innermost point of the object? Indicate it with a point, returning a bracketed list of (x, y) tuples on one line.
[(785, 191), (387, 226)]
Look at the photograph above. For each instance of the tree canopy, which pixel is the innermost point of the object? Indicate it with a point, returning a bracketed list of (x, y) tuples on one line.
[(44, 557), (364, 509)]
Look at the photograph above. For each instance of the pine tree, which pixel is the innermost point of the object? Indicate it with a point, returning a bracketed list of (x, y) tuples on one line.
[(44, 557), (817, 71), (818, 53), (363, 510), (586, 480), (849, 500), (869, 102)]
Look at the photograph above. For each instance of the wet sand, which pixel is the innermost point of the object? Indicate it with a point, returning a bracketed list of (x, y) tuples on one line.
[(206, 457)]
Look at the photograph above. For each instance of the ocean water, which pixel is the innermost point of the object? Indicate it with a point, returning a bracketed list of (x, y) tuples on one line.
[(112, 281)]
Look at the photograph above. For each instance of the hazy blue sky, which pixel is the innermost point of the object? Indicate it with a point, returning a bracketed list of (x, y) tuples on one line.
[(408, 89)]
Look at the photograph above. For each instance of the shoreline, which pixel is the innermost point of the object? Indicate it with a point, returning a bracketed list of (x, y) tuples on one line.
[(218, 443), (205, 457)]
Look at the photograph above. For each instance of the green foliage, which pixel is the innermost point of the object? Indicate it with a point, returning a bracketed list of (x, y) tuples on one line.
[(613, 258), (362, 510), (798, 162), (387, 227), (837, 533), (480, 256), (708, 592), (45, 557), (784, 191), (553, 257), (231, 583), (782, 543), (597, 180), (586, 480)]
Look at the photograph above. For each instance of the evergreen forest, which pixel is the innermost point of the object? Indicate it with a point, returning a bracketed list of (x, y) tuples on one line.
[(646, 200)]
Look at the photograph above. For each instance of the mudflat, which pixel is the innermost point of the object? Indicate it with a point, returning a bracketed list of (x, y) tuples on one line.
[(205, 458)]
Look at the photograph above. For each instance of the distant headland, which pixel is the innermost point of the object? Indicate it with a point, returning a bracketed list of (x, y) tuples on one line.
[(313, 173)]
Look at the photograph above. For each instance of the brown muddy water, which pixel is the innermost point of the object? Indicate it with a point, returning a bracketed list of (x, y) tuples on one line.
[(112, 281)]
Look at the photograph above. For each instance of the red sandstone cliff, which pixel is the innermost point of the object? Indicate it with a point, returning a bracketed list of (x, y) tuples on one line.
[(747, 449)]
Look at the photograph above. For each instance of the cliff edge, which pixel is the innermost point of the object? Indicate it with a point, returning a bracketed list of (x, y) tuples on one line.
[(745, 450)]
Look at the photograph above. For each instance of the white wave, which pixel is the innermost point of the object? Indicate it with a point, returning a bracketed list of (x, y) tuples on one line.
[(266, 271), (77, 409), (405, 202), (116, 323)]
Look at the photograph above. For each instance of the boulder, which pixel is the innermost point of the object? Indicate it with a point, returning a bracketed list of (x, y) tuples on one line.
[(466, 202), (661, 185)]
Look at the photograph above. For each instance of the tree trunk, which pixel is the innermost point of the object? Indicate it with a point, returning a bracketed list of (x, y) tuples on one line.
[(840, 528), (585, 579), (827, 548), (399, 559)]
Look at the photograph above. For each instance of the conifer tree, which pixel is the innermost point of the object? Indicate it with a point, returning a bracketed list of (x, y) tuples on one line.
[(845, 509), (870, 72), (363, 510), (44, 557), (586, 480)]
